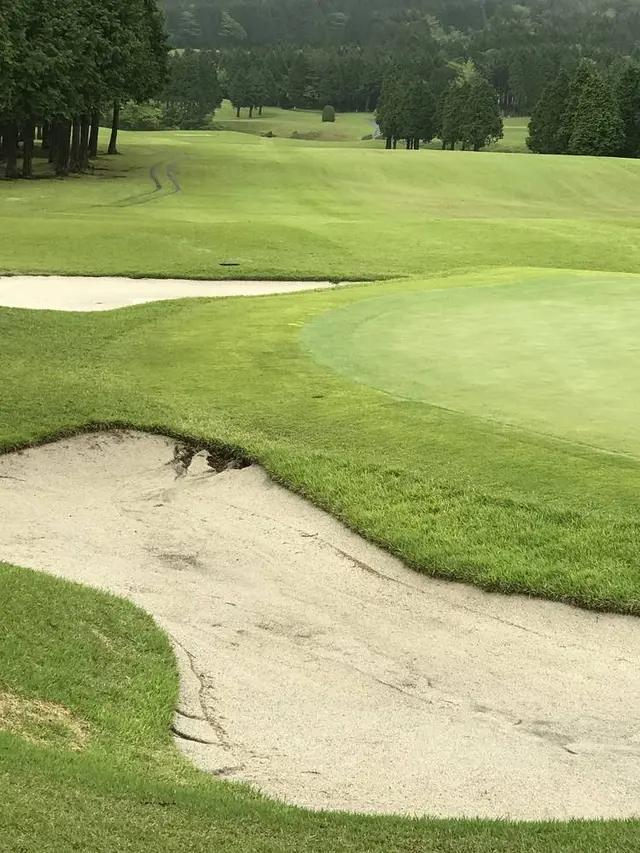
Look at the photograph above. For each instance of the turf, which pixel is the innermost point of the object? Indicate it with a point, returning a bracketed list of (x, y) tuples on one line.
[(281, 208), (454, 493), (558, 355)]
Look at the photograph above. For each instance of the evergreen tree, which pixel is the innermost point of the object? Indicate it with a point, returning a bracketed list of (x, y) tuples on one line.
[(582, 76), (418, 114), (628, 94), (389, 110), (453, 103), (598, 128), (547, 116), (480, 120), (298, 80)]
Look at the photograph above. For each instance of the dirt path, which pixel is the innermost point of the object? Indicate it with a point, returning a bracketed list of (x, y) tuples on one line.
[(82, 293), (316, 666)]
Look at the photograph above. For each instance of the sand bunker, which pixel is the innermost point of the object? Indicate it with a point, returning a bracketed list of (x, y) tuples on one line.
[(82, 293), (315, 666)]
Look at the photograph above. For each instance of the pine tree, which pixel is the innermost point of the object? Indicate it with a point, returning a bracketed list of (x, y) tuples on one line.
[(298, 80), (582, 76), (547, 116), (389, 110), (453, 103), (598, 129), (481, 122), (418, 114), (628, 94)]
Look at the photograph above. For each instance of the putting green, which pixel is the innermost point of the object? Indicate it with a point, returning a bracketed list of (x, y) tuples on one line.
[(559, 354)]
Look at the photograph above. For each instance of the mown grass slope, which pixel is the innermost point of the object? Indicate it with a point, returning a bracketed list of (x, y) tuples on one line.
[(282, 208), (455, 494)]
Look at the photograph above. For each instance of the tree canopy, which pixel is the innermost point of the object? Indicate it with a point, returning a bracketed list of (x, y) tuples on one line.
[(62, 62)]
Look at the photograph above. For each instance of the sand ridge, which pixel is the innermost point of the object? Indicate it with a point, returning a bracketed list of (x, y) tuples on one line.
[(87, 293), (314, 665)]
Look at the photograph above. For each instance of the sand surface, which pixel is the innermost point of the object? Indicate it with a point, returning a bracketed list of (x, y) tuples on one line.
[(318, 668), (82, 293)]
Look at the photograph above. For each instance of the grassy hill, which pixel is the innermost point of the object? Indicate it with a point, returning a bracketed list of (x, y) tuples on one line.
[(497, 498)]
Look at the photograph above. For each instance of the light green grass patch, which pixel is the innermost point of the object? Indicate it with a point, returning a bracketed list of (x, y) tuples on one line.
[(558, 354)]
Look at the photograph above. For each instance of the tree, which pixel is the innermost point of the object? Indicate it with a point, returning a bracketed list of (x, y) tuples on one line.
[(584, 73), (418, 114), (598, 128), (298, 80), (389, 110), (480, 120), (453, 103), (547, 116), (61, 61), (628, 95)]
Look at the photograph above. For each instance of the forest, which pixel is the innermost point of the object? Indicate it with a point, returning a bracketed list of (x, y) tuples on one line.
[(518, 46)]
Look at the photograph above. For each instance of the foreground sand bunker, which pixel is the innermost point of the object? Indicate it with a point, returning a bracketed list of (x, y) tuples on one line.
[(85, 293), (318, 668)]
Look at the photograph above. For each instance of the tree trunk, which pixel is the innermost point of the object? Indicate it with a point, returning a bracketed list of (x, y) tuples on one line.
[(395, 142), (39, 133), (11, 150), (259, 111), (53, 141), (416, 144), (237, 112), (74, 159), (115, 124), (408, 144), (387, 143), (93, 135), (45, 136), (85, 126), (250, 112), (28, 134), (63, 147)]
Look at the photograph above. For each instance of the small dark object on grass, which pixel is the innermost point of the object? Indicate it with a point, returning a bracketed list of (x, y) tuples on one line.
[(269, 134), (367, 137), (328, 113), (229, 264)]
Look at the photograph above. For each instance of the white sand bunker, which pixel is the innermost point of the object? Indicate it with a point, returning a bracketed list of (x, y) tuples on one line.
[(82, 293), (319, 669)]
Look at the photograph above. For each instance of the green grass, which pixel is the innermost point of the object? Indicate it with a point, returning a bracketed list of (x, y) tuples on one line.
[(558, 355), (457, 494), (348, 127), (280, 208)]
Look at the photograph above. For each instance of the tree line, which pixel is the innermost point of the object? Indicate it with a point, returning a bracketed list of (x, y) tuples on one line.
[(62, 62), (590, 112), (518, 45)]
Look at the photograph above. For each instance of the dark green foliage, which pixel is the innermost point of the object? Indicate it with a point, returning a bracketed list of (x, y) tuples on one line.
[(547, 117), (298, 80), (193, 92), (389, 111), (598, 129), (480, 121), (589, 113), (628, 97), (63, 61), (328, 114)]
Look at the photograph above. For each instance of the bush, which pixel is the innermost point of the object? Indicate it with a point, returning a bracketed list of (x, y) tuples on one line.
[(146, 116), (328, 114)]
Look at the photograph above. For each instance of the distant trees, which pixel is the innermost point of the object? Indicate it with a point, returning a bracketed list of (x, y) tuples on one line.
[(589, 112), (193, 91), (62, 63)]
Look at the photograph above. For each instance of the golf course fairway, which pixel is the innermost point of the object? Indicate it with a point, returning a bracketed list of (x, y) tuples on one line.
[(469, 405)]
